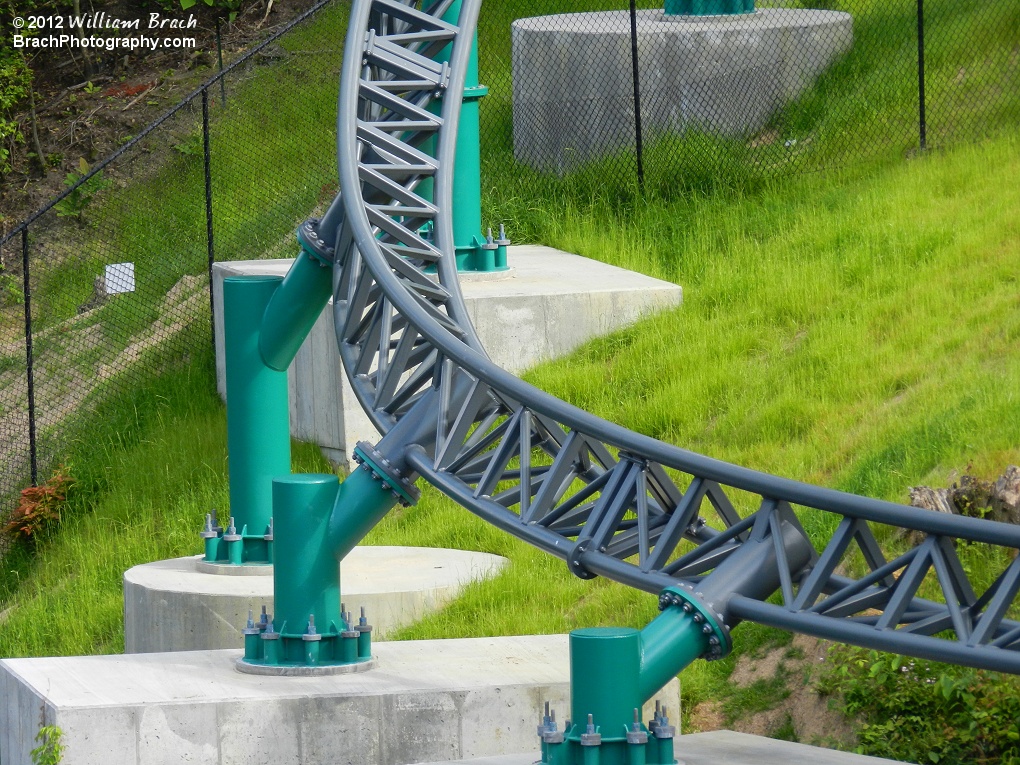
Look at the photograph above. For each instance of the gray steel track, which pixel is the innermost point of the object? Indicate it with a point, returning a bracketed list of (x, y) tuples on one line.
[(608, 501)]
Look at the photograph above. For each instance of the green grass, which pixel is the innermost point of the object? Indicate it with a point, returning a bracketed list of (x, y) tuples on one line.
[(150, 467), (856, 329)]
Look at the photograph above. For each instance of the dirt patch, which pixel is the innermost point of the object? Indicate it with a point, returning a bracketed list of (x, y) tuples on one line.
[(87, 108), (706, 716), (804, 715)]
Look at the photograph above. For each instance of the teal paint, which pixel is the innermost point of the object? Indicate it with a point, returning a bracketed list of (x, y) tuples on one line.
[(614, 671), (306, 575), (294, 309), (258, 420), (708, 7), (360, 504)]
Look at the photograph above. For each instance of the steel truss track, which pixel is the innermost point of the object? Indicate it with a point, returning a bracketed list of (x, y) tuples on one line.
[(608, 501)]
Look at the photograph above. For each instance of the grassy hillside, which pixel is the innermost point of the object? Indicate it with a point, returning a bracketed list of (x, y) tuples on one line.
[(856, 328)]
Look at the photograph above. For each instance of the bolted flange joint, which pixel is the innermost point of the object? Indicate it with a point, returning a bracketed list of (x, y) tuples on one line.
[(366, 455), (711, 622), (314, 244)]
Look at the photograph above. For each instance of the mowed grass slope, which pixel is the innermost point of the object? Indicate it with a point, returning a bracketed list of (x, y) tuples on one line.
[(858, 330)]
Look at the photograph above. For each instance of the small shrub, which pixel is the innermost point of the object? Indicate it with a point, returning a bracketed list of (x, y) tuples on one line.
[(50, 751), (74, 204), (923, 711), (10, 289), (39, 508)]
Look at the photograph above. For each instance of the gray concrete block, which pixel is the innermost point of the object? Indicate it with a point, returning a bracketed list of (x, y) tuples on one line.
[(427, 699), (171, 605), (546, 306), (721, 747), (573, 86)]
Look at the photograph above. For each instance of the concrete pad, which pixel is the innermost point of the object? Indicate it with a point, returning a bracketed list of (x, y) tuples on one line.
[(426, 701), (721, 747), (171, 605), (550, 303), (573, 89)]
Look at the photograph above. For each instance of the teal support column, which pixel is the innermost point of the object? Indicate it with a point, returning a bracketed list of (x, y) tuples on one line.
[(708, 7), (306, 576), (258, 420), (364, 498), (604, 667), (309, 633), (473, 251), (294, 309), (614, 671)]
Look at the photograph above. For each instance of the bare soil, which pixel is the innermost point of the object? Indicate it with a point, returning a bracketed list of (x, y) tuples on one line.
[(813, 717)]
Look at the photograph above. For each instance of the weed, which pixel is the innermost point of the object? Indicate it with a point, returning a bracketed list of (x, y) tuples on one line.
[(952, 714), (50, 751), (38, 510), (10, 289), (192, 146), (74, 204)]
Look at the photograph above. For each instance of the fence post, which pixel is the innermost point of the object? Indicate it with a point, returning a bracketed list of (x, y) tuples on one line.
[(208, 208), (638, 138), (921, 117), (29, 371), (219, 58)]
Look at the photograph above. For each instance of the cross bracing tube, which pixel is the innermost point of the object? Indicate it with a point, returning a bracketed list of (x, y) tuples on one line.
[(608, 501)]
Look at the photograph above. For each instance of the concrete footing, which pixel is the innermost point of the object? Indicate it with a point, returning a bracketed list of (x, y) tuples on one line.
[(573, 89), (721, 747), (176, 605), (548, 304), (425, 701)]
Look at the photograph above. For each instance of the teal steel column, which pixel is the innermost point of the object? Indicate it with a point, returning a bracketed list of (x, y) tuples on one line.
[(361, 503), (708, 7), (604, 668), (669, 643), (306, 575), (467, 171), (258, 419), (294, 309), (472, 255), (613, 672)]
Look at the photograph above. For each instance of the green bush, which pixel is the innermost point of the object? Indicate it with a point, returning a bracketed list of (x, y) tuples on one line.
[(922, 711)]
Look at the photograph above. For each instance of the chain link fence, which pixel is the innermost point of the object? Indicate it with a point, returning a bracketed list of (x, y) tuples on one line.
[(667, 103), (109, 285)]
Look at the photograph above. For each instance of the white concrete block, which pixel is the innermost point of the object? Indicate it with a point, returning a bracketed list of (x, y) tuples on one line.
[(426, 699), (548, 305), (171, 605)]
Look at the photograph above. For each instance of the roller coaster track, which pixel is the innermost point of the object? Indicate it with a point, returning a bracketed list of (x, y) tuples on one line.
[(608, 501)]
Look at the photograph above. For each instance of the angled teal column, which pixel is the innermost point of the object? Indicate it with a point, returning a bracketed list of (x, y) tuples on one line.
[(309, 634), (294, 309), (258, 425)]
